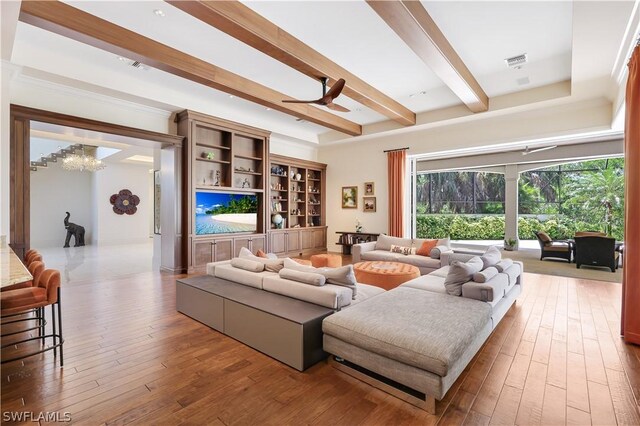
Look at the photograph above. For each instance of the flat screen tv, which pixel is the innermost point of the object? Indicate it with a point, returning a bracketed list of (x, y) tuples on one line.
[(218, 213)]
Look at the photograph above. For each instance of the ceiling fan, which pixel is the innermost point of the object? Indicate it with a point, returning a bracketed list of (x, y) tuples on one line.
[(528, 151), (327, 97)]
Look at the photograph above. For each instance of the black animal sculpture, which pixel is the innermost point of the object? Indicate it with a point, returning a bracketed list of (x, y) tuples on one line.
[(72, 229)]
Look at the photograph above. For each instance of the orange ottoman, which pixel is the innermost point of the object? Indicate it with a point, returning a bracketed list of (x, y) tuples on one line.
[(385, 275), (329, 260), (302, 261)]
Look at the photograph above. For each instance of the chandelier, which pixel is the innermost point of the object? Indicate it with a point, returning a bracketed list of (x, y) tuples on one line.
[(82, 163)]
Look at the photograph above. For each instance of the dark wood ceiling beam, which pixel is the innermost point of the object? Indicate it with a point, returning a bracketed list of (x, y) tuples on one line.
[(78, 25), (242, 23), (410, 20)]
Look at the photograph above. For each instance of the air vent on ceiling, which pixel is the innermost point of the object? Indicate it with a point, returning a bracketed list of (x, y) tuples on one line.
[(516, 61), (139, 65)]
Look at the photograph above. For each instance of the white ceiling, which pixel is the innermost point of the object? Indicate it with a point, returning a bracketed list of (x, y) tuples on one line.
[(350, 33)]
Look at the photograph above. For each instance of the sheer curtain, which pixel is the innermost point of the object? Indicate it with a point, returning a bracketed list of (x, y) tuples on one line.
[(396, 167), (631, 268)]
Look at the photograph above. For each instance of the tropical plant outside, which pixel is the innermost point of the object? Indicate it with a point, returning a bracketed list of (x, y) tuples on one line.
[(559, 200), (243, 204)]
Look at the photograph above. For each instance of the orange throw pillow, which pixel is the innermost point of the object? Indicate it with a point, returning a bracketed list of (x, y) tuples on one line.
[(426, 247), (260, 253)]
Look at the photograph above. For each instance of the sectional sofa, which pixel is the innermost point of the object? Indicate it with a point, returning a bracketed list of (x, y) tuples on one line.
[(413, 341), (381, 250)]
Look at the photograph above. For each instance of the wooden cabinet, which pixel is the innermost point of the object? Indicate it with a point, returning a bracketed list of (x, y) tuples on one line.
[(297, 196), (225, 163), (253, 243)]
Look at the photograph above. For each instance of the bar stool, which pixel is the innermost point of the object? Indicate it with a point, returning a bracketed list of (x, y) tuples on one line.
[(29, 253), (16, 302), (34, 257)]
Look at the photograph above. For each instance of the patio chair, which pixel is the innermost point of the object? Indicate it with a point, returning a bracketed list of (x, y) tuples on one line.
[(558, 249), (597, 251), (590, 234)]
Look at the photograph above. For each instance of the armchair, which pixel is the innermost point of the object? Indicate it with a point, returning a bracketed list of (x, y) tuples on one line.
[(597, 251), (553, 248)]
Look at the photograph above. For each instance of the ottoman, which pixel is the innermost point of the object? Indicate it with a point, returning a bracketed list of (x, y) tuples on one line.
[(302, 262), (387, 275), (415, 338), (327, 259)]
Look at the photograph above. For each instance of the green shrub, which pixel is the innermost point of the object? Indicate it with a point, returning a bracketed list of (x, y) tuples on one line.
[(489, 227)]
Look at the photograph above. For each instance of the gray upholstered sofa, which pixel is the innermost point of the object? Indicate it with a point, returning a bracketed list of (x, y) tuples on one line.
[(381, 250), (419, 336)]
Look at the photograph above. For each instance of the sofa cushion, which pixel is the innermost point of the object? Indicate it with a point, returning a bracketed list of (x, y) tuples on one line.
[(343, 275), (491, 257), (491, 291), (420, 261), (486, 275), (384, 242), (503, 265), (441, 272), (460, 273), (247, 264), (240, 276), (385, 256), (425, 247), (329, 295), (365, 292), (302, 277), (427, 282), (271, 265), (513, 272), (402, 250), (427, 330)]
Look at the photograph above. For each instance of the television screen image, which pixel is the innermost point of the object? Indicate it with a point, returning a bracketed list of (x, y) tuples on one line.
[(225, 213)]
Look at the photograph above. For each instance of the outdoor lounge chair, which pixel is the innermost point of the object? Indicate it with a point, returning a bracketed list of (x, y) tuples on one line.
[(549, 248), (597, 251)]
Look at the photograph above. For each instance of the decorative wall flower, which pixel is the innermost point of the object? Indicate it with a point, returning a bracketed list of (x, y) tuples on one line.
[(124, 202)]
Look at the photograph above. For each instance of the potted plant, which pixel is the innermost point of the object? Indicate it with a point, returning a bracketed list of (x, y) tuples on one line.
[(510, 244)]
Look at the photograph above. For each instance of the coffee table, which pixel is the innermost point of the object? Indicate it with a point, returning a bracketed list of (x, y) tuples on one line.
[(387, 275)]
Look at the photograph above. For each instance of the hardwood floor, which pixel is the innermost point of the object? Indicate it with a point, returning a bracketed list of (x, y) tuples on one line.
[(130, 358)]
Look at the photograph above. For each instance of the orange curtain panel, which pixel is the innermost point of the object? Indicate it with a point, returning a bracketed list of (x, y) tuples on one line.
[(631, 267), (396, 166)]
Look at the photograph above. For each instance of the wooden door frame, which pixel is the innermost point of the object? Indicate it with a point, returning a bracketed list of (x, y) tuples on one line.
[(20, 165)]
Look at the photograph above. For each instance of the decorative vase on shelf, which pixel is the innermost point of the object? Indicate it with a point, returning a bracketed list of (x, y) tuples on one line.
[(298, 176), (291, 174)]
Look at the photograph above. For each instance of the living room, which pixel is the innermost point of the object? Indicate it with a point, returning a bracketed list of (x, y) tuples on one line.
[(499, 87)]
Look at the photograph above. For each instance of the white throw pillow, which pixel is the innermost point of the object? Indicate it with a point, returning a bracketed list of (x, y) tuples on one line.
[(486, 275), (491, 257), (343, 275), (247, 264), (460, 273), (503, 265), (402, 250), (271, 265), (303, 277)]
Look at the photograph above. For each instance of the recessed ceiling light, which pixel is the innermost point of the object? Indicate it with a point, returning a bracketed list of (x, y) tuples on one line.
[(121, 59), (268, 109), (159, 12), (231, 96)]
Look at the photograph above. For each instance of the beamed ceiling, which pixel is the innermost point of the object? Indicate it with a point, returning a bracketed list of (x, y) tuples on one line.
[(403, 61)]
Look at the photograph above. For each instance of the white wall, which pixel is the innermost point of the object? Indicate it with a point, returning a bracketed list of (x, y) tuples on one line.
[(110, 227), (55, 191)]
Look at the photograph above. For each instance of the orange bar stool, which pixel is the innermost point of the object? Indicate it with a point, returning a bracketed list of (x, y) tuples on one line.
[(36, 257), (19, 301)]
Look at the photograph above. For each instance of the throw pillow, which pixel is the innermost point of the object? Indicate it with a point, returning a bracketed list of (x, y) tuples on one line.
[(384, 242), (402, 250), (303, 277), (437, 251), (247, 264), (460, 273), (271, 265), (544, 237), (426, 247), (503, 265), (486, 275), (343, 275), (491, 257), (260, 253)]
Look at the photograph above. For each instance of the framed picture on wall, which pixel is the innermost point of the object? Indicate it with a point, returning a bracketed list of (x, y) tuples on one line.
[(369, 204), (349, 197), (369, 189), (156, 202)]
